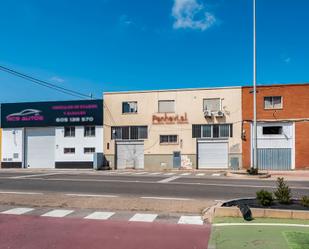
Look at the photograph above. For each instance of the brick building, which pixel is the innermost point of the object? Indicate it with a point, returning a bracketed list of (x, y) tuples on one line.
[(283, 126)]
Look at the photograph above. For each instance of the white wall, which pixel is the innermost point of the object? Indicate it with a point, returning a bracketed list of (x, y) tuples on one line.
[(78, 142), (285, 140), (12, 144)]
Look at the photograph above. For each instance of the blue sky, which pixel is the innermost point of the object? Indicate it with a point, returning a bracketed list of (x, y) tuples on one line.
[(110, 45)]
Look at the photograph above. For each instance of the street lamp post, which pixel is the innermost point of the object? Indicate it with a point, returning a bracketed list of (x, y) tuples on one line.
[(255, 162)]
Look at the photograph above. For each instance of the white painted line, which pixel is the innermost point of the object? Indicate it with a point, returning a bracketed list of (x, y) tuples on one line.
[(144, 217), (155, 173), (20, 193), (92, 195), (36, 175), (259, 224), (165, 198), (169, 174), (17, 211), (185, 174), (172, 178), (192, 220), (57, 213), (200, 174), (216, 174), (99, 215), (140, 173)]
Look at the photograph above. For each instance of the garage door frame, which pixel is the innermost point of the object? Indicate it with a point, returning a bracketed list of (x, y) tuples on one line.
[(211, 141)]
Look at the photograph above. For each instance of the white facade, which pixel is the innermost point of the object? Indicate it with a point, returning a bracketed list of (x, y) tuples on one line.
[(20, 145)]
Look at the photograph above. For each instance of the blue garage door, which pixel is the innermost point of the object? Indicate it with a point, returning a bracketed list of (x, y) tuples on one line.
[(275, 158)]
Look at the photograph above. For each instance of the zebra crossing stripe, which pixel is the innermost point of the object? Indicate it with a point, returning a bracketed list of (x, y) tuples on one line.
[(100, 215), (144, 217), (17, 211), (185, 174), (191, 220), (58, 213)]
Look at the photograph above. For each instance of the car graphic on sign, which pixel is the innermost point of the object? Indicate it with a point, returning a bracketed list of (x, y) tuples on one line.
[(26, 112)]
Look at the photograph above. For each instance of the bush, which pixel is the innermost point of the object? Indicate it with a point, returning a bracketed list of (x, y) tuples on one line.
[(252, 171), (305, 201), (264, 197), (283, 192)]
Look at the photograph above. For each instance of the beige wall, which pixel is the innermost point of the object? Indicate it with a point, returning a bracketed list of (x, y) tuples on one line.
[(186, 101)]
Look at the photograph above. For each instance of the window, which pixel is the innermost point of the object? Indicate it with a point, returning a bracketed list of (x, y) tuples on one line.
[(168, 139), (166, 106), (69, 131), (89, 150), (69, 150), (212, 131), (129, 132), (89, 131), (129, 107), (272, 130), (273, 102), (213, 105)]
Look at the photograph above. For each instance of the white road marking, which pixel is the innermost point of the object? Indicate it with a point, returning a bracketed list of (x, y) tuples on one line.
[(144, 217), (28, 176), (140, 173), (155, 173), (200, 174), (175, 183), (20, 193), (169, 174), (172, 178), (259, 224), (192, 220), (165, 198), (92, 195), (216, 174), (17, 211), (58, 213), (100, 215), (185, 174)]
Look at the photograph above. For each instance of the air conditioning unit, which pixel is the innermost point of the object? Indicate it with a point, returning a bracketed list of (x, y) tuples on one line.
[(219, 114), (207, 114)]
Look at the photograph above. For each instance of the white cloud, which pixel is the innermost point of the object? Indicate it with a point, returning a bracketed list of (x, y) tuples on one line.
[(57, 79), (191, 14)]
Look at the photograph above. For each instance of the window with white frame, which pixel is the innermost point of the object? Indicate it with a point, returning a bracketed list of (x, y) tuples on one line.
[(213, 104), (89, 131), (212, 131), (69, 150), (165, 106), (273, 102), (69, 131), (129, 107), (89, 150), (168, 139)]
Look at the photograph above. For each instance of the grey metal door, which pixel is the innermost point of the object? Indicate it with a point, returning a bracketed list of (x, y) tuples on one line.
[(176, 159), (130, 155), (275, 158)]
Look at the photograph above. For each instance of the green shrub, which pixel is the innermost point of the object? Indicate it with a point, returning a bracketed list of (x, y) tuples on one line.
[(252, 171), (283, 192), (264, 197), (305, 201)]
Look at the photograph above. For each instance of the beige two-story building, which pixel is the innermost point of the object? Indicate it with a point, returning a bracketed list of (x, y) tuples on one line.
[(166, 129)]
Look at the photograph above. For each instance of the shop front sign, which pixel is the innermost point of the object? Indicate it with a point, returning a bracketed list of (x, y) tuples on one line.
[(169, 119)]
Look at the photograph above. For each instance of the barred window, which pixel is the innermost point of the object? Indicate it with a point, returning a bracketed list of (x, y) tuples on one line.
[(212, 131), (129, 132)]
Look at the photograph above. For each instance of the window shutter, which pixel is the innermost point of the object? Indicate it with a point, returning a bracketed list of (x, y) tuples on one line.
[(196, 131)]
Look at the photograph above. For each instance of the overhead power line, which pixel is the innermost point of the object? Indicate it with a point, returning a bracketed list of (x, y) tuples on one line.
[(45, 83)]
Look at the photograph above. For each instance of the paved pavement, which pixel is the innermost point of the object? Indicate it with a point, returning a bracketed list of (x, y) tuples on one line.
[(31, 232), (140, 184)]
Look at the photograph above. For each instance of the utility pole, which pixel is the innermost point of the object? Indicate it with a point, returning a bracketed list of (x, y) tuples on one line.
[(255, 161)]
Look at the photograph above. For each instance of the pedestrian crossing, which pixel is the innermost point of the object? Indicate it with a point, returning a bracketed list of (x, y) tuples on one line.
[(104, 215)]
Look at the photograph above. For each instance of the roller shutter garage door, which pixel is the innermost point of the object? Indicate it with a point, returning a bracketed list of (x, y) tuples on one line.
[(212, 154), (40, 147), (130, 155)]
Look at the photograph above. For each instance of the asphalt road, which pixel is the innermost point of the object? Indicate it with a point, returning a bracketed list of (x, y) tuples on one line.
[(208, 187)]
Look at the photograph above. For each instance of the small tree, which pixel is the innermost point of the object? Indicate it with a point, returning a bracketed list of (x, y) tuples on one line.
[(283, 192), (264, 197)]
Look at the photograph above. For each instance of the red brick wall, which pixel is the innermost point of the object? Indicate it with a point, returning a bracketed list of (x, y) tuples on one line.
[(295, 106)]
